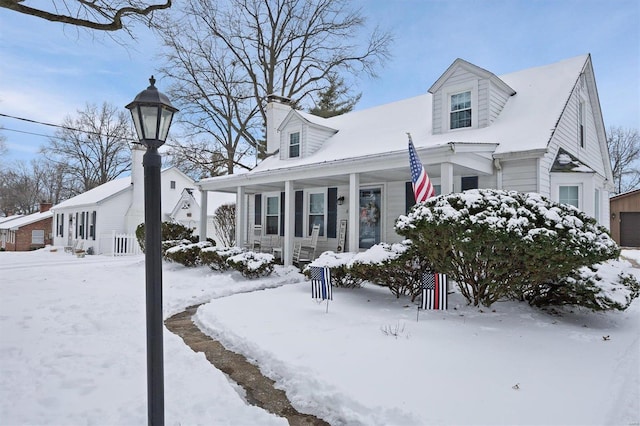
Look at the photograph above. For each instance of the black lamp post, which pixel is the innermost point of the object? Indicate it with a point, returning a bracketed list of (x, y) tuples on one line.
[(152, 113)]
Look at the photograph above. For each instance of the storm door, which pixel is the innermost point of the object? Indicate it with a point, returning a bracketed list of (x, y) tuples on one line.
[(370, 223)]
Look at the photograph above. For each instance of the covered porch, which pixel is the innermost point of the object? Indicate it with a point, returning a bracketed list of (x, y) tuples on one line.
[(347, 178)]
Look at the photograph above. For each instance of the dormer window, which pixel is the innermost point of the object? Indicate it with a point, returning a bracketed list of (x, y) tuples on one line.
[(460, 113), (294, 145)]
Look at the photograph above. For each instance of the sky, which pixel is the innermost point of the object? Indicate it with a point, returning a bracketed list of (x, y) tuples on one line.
[(73, 351), (49, 71)]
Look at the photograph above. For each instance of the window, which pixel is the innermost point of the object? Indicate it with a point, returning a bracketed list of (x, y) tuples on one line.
[(294, 145), (81, 231), (37, 236), (460, 114), (569, 195), (92, 227), (173, 184), (272, 216), (581, 124), (316, 211)]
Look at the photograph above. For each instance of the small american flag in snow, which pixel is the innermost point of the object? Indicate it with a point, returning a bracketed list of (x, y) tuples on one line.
[(434, 291), (321, 283), (422, 187)]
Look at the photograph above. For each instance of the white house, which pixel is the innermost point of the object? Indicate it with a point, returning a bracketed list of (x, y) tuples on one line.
[(116, 207), (536, 130)]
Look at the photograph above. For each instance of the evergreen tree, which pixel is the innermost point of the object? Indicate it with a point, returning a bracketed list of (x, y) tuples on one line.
[(334, 100)]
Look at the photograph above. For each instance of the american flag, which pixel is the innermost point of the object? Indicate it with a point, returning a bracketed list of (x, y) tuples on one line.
[(321, 283), (434, 291), (422, 187)]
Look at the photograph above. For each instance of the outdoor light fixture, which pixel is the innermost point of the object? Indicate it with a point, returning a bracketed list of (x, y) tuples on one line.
[(340, 200), (152, 114)]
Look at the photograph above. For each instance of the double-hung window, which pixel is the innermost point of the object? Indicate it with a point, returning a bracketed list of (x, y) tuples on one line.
[(316, 211), (460, 113), (294, 145), (272, 216), (569, 195)]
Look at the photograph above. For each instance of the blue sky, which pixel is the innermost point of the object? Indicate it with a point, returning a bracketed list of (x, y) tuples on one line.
[(49, 71)]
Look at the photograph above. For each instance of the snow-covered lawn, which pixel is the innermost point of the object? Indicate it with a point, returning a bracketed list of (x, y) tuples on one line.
[(72, 351)]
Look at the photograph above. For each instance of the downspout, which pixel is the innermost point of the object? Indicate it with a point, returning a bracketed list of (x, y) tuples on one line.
[(498, 166)]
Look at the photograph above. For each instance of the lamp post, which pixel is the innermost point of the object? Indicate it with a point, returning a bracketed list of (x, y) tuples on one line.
[(152, 113)]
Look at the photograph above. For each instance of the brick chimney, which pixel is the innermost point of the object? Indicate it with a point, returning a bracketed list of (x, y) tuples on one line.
[(45, 207)]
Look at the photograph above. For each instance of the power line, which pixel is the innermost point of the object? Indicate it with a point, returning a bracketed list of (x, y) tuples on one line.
[(42, 123)]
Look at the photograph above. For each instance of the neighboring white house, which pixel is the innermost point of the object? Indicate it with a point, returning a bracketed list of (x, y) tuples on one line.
[(537, 130), (116, 207)]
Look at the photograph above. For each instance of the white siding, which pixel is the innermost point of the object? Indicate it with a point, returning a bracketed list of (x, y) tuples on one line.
[(497, 101), (395, 206), (519, 175)]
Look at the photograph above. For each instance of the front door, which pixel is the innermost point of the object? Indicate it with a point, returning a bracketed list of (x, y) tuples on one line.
[(370, 223)]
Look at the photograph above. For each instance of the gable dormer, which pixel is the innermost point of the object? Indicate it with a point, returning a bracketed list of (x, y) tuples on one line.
[(467, 97), (302, 134)]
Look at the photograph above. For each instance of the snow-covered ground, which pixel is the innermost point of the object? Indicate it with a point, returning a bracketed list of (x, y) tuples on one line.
[(72, 351)]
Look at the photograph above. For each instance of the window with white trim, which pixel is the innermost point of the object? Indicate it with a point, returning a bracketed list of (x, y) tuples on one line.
[(460, 110), (294, 145), (272, 217), (317, 203), (569, 194), (37, 236)]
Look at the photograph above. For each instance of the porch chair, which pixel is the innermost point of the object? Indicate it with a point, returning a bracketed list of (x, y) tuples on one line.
[(72, 248), (304, 251), (79, 250), (256, 239)]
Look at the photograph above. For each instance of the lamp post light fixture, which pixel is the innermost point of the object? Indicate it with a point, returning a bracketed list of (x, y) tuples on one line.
[(152, 114)]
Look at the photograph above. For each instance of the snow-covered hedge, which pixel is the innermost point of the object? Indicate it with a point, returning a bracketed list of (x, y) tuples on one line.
[(505, 244), (389, 265), (216, 257), (252, 265), (338, 263), (186, 254)]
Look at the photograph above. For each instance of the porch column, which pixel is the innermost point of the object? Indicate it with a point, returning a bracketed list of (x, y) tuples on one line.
[(289, 218), (204, 196), (240, 217), (446, 178), (354, 217)]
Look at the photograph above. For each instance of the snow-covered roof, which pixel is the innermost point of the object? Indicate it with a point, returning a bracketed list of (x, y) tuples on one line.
[(97, 194), (21, 221), (7, 218), (526, 122)]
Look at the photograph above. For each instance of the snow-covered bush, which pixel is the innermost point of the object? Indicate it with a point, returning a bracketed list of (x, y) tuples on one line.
[(216, 257), (505, 244), (170, 231), (252, 265), (391, 265), (341, 275), (186, 254)]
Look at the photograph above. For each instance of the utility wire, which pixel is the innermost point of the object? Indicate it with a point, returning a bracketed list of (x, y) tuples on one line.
[(42, 123)]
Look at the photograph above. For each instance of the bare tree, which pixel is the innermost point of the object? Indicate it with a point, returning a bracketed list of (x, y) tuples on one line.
[(624, 152), (93, 146), (100, 15), (228, 56), (224, 224), (197, 159)]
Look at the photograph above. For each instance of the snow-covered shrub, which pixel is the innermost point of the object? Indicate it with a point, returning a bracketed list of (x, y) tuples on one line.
[(505, 244), (186, 254), (252, 265), (170, 231), (341, 275), (391, 265), (216, 257)]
